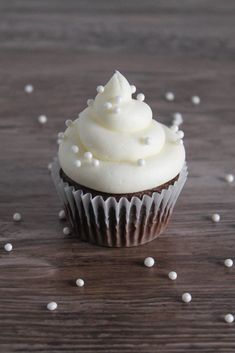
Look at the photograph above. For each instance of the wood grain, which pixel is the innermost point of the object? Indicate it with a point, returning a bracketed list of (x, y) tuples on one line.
[(65, 49)]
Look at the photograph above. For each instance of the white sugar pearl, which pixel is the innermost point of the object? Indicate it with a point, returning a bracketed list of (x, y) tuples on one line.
[(60, 135), (59, 141), (180, 134), (133, 89), (228, 262), (100, 89), (195, 100), (17, 217), (117, 110), (147, 140), (78, 163), (174, 128), (52, 306), (90, 102), (75, 149), (141, 162), (42, 119), (215, 217), (229, 318), (8, 247), (49, 166), (68, 122), (88, 155), (140, 97), (95, 163), (61, 214), (177, 118), (149, 262), (66, 230), (229, 178), (186, 297), (80, 282), (169, 96), (172, 275), (108, 105), (29, 88)]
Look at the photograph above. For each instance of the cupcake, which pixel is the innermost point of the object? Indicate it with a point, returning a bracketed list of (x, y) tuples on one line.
[(118, 171)]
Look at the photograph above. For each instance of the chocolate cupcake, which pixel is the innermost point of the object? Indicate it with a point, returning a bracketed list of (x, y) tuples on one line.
[(119, 172)]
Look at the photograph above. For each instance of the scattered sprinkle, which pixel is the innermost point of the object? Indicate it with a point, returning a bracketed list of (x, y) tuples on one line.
[(229, 178), (186, 297), (90, 102), (42, 119), (178, 120), (228, 262), (29, 88), (95, 163), (80, 282), (133, 89), (141, 162), (147, 140), (78, 163), (215, 217), (172, 275), (140, 97), (195, 100), (108, 105), (17, 217), (149, 262), (100, 89), (169, 96), (61, 214), (8, 247), (88, 155), (117, 110), (68, 122), (66, 230), (229, 318), (52, 306), (75, 149)]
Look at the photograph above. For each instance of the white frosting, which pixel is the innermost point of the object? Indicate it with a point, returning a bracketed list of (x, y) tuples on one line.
[(119, 132)]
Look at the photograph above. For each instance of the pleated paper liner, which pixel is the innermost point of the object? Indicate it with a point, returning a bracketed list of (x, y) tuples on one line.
[(117, 223)]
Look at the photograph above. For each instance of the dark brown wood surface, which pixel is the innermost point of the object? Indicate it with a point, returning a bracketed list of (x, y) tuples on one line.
[(65, 49)]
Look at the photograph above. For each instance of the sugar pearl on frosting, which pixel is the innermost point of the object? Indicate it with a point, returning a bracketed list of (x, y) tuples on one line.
[(117, 110), (174, 128), (88, 155), (8, 247), (95, 163), (141, 162), (100, 89), (52, 306), (133, 89), (61, 214), (147, 140), (195, 100), (42, 119), (80, 282), (215, 217), (66, 230), (78, 163), (90, 102), (180, 134), (17, 217), (229, 318), (59, 141), (68, 122), (140, 97), (29, 88), (75, 149), (229, 178), (172, 275), (149, 261), (186, 297), (169, 96), (228, 262), (178, 120), (108, 105)]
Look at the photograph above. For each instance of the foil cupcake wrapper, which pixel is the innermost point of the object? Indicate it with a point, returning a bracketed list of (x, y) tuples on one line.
[(117, 223)]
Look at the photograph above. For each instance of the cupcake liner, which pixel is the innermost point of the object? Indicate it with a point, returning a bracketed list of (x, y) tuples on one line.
[(117, 223)]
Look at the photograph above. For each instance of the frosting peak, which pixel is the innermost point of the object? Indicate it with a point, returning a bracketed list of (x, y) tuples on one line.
[(128, 151)]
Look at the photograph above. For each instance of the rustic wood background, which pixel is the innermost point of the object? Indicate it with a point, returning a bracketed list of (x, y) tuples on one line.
[(65, 49)]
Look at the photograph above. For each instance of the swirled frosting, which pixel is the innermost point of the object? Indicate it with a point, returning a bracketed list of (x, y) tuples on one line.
[(116, 147)]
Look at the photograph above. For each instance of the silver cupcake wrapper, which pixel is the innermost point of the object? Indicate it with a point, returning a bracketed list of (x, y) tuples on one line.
[(117, 223)]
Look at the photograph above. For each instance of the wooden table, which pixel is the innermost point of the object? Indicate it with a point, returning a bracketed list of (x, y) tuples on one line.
[(65, 49)]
